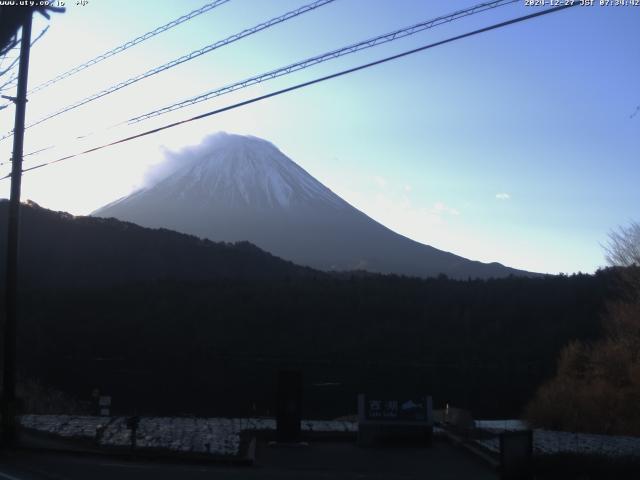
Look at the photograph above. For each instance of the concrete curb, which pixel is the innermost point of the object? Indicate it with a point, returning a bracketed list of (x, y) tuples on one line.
[(487, 457)]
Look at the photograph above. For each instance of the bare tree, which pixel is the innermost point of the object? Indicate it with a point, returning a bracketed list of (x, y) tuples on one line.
[(623, 247), (597, 385), (623, 251)]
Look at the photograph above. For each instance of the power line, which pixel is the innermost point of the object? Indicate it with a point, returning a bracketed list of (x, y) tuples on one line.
[(10, 46), (12, 80), (40, 35), (309, 62), (185, 58), (305, 84), (14, 77), (11, 65), (15, 61), (40, 150), (129, 44), (369, 43)]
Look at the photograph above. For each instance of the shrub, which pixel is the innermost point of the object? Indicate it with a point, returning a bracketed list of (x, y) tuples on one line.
[(597, 386)]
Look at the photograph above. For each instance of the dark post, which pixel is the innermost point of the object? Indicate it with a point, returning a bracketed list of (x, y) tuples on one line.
[(132, 424), (8, 402), (516, 454), (289, 406)]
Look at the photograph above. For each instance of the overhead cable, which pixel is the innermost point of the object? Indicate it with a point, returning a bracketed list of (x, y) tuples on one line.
[(304, 84), (185, 58), (303, 64), (368, 43), (129, 44)]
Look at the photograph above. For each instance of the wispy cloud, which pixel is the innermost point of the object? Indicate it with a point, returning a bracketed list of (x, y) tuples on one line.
[(381, 182), (503, 196), (440, 208)]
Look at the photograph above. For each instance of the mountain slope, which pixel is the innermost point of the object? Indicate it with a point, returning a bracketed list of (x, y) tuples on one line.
[(60, 250), (243, 188)]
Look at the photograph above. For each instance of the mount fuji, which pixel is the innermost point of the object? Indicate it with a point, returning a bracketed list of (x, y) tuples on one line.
[(239, 188)]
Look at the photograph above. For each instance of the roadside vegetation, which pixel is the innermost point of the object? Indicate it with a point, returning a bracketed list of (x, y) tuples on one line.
[(597, 385)]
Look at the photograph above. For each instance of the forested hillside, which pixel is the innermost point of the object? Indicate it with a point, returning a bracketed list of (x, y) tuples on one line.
[(167, 323)]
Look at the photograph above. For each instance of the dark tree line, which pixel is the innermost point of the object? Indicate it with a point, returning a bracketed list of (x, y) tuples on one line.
[(171, 324), (214, 347)]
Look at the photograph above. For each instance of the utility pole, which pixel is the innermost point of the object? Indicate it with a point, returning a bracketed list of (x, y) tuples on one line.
[(8, 401)]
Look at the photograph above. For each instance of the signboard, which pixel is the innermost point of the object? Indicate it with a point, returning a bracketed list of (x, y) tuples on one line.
[(104, 405), (394, 419), (409, 410)]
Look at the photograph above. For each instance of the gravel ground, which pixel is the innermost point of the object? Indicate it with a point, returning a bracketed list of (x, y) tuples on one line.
[(215, 436)]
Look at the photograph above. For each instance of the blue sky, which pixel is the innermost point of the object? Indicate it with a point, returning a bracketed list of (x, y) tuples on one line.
[(514, 146)]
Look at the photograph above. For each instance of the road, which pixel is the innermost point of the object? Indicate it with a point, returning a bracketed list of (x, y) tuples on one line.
[(337, 460)]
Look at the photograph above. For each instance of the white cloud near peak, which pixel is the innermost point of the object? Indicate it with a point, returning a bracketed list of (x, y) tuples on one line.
[(440, 208), (380, 181)]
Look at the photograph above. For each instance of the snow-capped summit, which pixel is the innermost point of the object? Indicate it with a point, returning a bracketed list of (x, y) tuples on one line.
[(247, 172), (234, 188)]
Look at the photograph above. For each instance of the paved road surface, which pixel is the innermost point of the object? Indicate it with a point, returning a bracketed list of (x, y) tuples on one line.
[(337, 460)]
